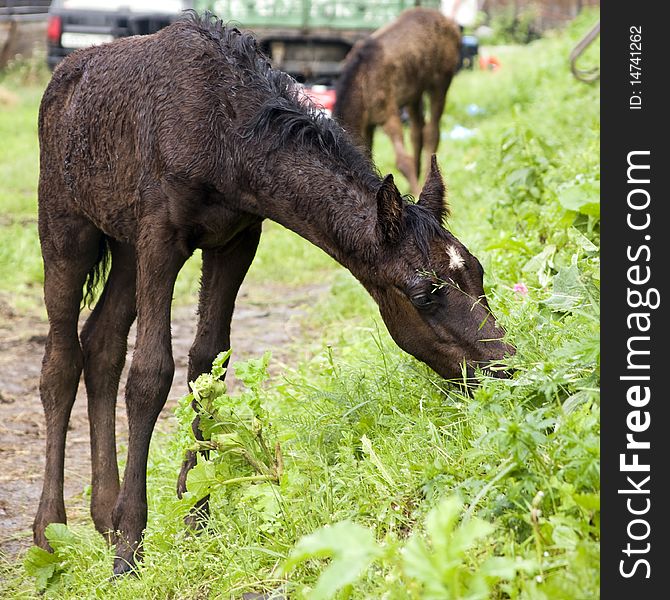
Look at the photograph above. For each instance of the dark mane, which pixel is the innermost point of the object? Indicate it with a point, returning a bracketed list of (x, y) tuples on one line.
[(243, 46), (423, 225), (362, 55), (289, 117), (286, 115)]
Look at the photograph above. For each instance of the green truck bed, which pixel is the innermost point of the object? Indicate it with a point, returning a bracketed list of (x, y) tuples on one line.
[(309, 38), (313, 14)]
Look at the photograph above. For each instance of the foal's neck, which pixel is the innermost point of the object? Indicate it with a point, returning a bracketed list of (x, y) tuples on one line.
[(322, 203)]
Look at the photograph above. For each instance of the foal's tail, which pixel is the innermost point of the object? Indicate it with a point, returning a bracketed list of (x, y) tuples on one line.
[(98, 272)]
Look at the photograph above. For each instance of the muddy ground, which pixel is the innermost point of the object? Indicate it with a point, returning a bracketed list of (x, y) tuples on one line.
[(267, 318)]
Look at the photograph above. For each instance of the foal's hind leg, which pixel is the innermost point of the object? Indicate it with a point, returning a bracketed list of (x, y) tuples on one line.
[(222, 274), (70, 249), (404, 162), (104, 341), (368, 138), (431, 136), (416, 125)]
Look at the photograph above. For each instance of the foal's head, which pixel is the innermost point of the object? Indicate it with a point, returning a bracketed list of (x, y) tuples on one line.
[(429, 287)]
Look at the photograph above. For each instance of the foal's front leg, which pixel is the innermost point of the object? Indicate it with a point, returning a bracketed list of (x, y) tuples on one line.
[(223, 271), (149, 380)]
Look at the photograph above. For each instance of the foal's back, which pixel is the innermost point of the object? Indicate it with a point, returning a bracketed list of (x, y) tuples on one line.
[(140, 112)]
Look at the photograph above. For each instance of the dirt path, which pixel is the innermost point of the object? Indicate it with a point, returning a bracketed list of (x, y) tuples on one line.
[(267, 318)]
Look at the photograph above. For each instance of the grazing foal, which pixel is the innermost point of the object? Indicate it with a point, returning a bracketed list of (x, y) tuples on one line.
[(151, 147)]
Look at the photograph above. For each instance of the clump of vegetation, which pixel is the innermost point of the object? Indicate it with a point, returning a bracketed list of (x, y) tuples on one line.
[(511, 25), (359, 473), (235, 429)]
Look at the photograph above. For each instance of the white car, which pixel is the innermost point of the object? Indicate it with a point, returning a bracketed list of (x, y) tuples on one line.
[(80, 23)]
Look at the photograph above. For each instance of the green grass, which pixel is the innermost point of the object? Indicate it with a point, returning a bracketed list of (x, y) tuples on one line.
[(426, 493), (20, 263)]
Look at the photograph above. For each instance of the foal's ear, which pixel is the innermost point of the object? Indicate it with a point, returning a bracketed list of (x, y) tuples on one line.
[(389, 211), (432, 197)]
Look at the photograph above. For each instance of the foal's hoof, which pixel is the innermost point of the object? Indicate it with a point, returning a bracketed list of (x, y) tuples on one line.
[(40, 540), (277, 594), (198, 517), (122, 567), (46, 514), (195, 523), (127, 556)]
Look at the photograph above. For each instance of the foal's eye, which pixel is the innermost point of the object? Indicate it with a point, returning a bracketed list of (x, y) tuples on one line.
[(422, 300)]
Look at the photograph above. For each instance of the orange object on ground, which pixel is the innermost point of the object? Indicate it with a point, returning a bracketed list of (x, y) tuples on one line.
[(488, 61)]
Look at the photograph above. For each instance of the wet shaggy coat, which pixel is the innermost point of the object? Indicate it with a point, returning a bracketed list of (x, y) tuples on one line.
[(415, 55), (151, 147)]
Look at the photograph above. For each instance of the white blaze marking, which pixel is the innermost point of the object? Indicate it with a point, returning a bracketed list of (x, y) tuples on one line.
[(456, 261)]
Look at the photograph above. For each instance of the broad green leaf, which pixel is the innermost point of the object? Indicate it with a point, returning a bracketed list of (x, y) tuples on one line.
[(575, 401), (218, 368), (41, 565), (507, 243), (581, 240), (506, 567), (565, 537), (201, 479), (541, 264), (59, 536), (265, 498), (568, 290), (438, 561), (589, 502), (254, 371), (519, 176), (351, 548), (208, 426), (469, 532), (424, 567), (583, 198)]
